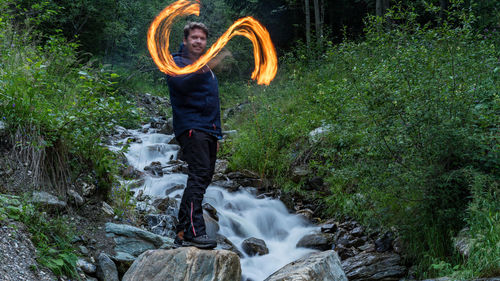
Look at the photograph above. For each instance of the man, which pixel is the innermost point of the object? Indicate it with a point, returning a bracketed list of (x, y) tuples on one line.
[(197, 127)]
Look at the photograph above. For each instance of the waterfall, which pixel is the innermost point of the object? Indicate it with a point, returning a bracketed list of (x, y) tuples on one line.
[(241, 214)]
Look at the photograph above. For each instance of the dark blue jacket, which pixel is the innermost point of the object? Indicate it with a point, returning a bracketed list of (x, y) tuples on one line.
[(195, 99)]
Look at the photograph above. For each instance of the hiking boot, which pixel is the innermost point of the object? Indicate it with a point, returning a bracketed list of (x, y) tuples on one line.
[(202, 242), (178, 242)]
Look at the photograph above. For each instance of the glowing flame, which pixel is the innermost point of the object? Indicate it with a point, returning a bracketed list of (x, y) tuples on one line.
[(266, 61)]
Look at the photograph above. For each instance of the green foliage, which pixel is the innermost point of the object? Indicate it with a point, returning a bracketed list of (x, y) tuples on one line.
[(123, 202), (411, 115), (51, 236)]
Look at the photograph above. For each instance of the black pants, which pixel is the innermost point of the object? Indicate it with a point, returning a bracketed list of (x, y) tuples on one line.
[(199, 150)]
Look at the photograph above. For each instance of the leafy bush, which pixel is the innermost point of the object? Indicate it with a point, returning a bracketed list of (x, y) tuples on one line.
[(411, 114)]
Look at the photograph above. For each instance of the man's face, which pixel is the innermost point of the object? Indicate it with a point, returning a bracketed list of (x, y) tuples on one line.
[(196, 42)]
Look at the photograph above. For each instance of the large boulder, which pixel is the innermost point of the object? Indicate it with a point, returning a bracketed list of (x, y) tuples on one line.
[(374, 266), (107, 269), (318, 241), (47, 201), (188, 264), (254, 246), (321, 266)]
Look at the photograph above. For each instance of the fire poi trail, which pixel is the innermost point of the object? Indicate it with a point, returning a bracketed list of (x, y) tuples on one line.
[(266, 61)]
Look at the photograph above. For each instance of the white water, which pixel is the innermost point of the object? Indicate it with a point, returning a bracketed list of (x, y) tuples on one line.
[(241, 214)]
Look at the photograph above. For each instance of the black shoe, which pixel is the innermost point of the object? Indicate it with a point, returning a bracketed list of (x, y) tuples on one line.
[(178, 242), (202, 242)]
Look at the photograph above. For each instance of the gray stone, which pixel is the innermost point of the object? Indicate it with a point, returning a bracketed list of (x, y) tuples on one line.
[(211, 211), (108, 210), (174, 188), (319, 133), (163, 204), (83, 250), (254, 246), (227, 184), (185, 264), (374, 266), (167, 128), (163, 225), (329, 228), (106, 270), (225, 244), (211, 225), (299, 172), (47, 200), (135, 241), (122, 257), (154, 168), (75, 198), (462, 242), (318, 241), (322, 266), (3, 127), (88, 189), (86, 266), (306, 213)]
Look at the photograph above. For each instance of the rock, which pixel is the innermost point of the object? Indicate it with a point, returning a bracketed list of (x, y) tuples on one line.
[(221, 166), (108, 210), (461, 243), (329, 228), (212, 226), (367, 247), (163, 225), (374, 266), (226, 244), (254, 246), (319, 133), (174, 188), (3, 127), (167, 128), (83, 250), (145, 208), (86, 266), (88, 189), (163, 204), (306, 213), (299, 172), (229, 133), (228, 184), (322, 266), (211, 211), (154, 168), (75, 198), (185, 264), (384, 243), (131, 173), (358, 231), (135, 241), (230, 112), (315, 183), (318, 241), (107, 269), (47, 200)]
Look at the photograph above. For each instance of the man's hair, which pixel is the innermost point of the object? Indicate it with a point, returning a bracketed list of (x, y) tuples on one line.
[(194, 25)]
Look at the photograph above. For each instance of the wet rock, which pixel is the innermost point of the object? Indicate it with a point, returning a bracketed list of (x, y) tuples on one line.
[(75, 198), (367, 247), (167, 128), (135, 241), (384, 243), (86, 266), (154, 169), (462, 242), (174, 188), (211, 211), (47, 200), (212, 226), (131, 173), (163, 225), (306, 213), (185, 264), (180, 168), (358, 231), (374, 266), (145, 208), (107, 269), (163, 204), (226, 244), (318, 241), (228, 184), (254, 246), (344, 252), (329, 228), (322, 266)]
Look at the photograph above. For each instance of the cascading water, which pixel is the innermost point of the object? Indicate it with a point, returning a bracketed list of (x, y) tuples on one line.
[(241, 214)]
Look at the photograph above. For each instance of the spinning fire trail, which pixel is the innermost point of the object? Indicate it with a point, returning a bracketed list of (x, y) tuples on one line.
[(266, 62)]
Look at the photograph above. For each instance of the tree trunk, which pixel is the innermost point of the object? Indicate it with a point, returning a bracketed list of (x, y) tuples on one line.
[(308, 23), (382, 6), (317, 21), (442, 12)]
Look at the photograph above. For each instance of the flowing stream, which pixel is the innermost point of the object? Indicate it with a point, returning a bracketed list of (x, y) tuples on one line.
[(241, 214)]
